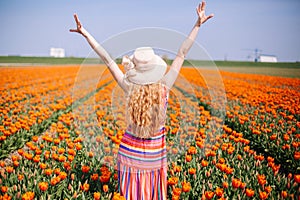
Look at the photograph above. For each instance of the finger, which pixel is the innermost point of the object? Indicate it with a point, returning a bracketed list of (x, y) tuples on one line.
[(210, 16), (203, 5), (75, 16), (199, 8), (76, 19)]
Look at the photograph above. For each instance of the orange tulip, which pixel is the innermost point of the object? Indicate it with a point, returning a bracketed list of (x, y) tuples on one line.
[(261, 179), (263, 195), (105, 178), (105, 188), (55, 180), (28, 196), (46, 156), (78, 146), (173, 180), (13, 158), (72, 152), (270, 159), (249, 192), (54, 156), (273, 137), (176, 191), (268, 189), (186, 186), (85, 169), (16, 163), (63, 175), (36, 159), (221, 160), (73, 176), (20, 177), (222, 167), (284, 194), (188, 158), (91, 154), (61, 158), (225, 185), (61, 150), (204, 163), (94, 177), (219, 192), (67, 166), (236, 183), (71, 146), (192, 171), (243, 185), (297, 155), (4, 189), (192, 150), (297, 178), (97, 195), (43, 186), (48, 172), (57, 171), (85, 187), (2, 164), (177, 168), (9, 169), (230, 150), (200, 144), (56, 141), (228, 170), (117, 196), (43, 166), (209, 194)]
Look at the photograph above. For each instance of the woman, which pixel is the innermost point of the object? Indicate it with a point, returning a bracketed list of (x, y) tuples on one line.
[(142, 161)]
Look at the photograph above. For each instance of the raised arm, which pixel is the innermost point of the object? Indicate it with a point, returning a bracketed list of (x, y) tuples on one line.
[(172, 74), (111, 64)]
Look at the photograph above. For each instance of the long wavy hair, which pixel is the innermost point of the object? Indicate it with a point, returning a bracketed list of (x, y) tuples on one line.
[(145, 109)]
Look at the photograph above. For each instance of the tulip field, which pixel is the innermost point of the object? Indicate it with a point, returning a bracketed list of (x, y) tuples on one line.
[(60, 127)]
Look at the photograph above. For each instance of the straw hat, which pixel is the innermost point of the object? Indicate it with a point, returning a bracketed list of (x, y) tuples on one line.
[(144, 66)]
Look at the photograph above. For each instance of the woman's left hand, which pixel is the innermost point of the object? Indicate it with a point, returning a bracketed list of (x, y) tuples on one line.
[(202, 18), (79, 28)]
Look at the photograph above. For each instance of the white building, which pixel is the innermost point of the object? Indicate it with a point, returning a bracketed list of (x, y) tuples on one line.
[(267, 58), (57, 52)]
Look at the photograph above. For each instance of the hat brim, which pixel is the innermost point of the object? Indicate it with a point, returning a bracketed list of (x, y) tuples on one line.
[(159, 67)]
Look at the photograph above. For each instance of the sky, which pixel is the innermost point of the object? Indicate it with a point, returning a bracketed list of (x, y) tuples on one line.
[(32, 27)]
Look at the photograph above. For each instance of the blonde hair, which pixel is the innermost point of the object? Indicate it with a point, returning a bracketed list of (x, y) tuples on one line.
[(145, 109)]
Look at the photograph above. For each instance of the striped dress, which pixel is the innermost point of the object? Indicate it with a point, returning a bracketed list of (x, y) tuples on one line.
[(142, 165)]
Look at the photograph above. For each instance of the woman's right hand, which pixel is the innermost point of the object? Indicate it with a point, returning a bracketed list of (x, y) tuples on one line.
[(79, 29)]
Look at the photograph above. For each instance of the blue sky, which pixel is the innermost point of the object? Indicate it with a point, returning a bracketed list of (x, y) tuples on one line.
[(32, 27)]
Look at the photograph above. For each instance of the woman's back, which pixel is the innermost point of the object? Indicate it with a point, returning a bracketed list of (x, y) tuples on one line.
[(146, 111)]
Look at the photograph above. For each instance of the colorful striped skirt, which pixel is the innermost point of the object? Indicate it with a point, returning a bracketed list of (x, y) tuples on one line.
[(142, 167)]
